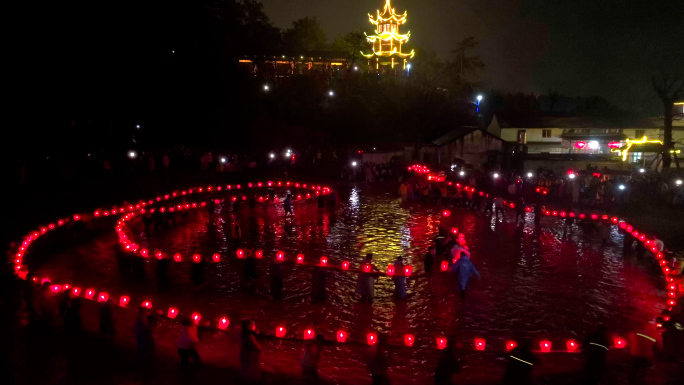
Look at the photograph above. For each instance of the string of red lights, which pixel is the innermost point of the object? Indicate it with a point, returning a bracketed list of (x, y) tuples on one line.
[(223, 323)]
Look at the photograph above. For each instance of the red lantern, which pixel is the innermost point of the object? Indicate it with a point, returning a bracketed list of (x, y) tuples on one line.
[(308, 334), (390, 270), (441, 342), (571, 346), (562, 214), (143, 252), (345, 265), (259, 254), (341, 336), (446, 213), (614, 220), (545, 346), (76, 291), (594, 216), (635, 234), (409, 339), (371, 338), (197, 258), (159, 254), (147, 304), (367, 268), (510, 345), (223, 323), (480, 344), (580, 145), (124, 300), (55, 288), (216, 257), (177, 257), (280, 332), (89, 294), (614, 144), (103, 297), (240, 253), (324, 261), (66, 287), (280, 256), (454, 230), (300, 258), (196, 317), (629, 228), (408, 270), (445, 265), (172, 313), (528, 209), (619, 342)]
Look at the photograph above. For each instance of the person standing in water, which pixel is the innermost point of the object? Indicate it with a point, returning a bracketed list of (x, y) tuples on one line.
[(399, 279), (463, 269), (287, 205), (365, 285)]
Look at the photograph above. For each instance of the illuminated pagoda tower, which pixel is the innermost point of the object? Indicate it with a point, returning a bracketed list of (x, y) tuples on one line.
[(387, 40)]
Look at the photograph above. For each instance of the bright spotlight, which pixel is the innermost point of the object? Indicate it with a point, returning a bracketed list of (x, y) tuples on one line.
[(223, 160), (356, 68), (641, 170), (271, 155), (622, 187), (132, 154), (330, 93), (137, 126), (593, 145), (266, 87), (529, 175), (354, 164), (678, 182), (479, 98), (496, 175), (462, 173), (571, 176)]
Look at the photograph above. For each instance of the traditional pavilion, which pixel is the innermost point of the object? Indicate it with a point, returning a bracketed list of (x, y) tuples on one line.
[(387, 40)]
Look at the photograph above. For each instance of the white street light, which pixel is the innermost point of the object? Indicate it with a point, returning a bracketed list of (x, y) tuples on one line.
[(265, 87), (622, 187), (272, 155), (678, 182), (479, 99), (496, 175), (132, 154), (356, 68), (331, 93), (223, 160), (593, 145), (641, 170), (571, 176), (462, 173), (529, 175), (354, 164), (137, 126)]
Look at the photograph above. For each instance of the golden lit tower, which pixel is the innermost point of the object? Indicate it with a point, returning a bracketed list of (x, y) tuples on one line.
[(387, 40)]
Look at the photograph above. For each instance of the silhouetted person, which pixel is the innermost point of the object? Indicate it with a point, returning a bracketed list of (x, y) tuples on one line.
[(595, 348), (107, 320), (521, 361), (144, 342), (276, 279), (537, 214), (236, 235), (163, 272), (73, 326), (187, 343), (399, 279), (318, 284), (365, 284), (250, 351), (378, 362), (429, 260), (449, 363), (520, 210), (311, 358), (197, 272), (287, 205), (321, 202)]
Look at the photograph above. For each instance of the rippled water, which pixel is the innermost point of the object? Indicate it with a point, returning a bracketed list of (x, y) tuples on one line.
[(534, 283)]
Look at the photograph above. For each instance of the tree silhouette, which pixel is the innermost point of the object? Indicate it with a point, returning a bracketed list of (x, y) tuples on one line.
[(669, 88)]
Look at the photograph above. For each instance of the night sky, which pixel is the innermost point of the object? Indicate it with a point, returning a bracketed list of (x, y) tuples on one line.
[(608, 48)]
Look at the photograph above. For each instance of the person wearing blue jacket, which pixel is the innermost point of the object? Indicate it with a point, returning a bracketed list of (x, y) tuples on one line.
[(463, 269)]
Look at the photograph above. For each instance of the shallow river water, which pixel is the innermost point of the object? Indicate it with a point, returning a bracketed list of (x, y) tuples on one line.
[(534, 283)]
